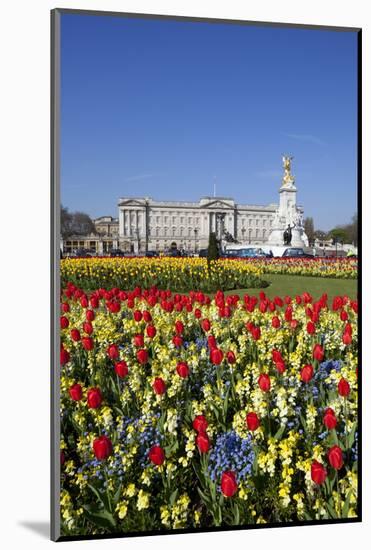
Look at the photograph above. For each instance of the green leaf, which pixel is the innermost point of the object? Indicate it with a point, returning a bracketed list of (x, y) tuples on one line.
[(280, 432), (345, 510), (205, 498), (236, 514), (331, 510), (102, 497), (116, 496), (173, 497), (352, 435), (103, 518)]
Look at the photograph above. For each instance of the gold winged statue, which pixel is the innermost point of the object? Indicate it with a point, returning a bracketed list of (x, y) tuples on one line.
[(288, 178)]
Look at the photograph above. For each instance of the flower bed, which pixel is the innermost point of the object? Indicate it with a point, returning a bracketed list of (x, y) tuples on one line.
[(182, 411), (180, 274)]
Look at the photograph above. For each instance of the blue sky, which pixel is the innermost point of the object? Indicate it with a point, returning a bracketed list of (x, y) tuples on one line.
[(165, 108)]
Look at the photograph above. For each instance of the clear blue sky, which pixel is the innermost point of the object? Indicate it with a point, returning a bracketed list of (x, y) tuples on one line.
[(160, 108)]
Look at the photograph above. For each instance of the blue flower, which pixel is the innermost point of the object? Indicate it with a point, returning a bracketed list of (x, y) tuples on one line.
[(231, 452)]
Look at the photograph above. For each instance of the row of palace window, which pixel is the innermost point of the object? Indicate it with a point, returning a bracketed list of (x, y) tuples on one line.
[(181, 232), (174, 220), (164, 220)]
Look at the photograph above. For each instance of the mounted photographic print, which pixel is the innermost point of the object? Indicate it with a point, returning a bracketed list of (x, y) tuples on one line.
[(205, 201)]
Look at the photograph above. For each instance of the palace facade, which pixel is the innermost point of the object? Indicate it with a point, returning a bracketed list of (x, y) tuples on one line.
[(147, 224)]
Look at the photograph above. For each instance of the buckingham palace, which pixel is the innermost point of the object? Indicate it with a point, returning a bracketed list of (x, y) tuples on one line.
[(147, 224)]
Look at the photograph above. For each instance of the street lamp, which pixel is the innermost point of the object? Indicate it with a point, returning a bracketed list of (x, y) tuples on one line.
[(250, 235), (195, 232), (135, 233)]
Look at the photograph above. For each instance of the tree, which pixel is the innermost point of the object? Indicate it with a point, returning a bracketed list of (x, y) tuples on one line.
[(354, 229), (75, 223), (320, 235), (66, 222), (213, 249), (309, 229), (82, 224), (339, 234)]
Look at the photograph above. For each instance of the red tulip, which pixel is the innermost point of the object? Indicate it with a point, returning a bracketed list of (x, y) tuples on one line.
[(94, 302), (264, 382), (151, 331), (276, 323), (142, 356), (102, 447), (90, 315), (197, 313), (252, 421), (318, 352), (318, 472), (64, 322), (306, 373), (177, 341), (88, 327), (138, 340), (231, 358), (203, 442), (343, 315), (121, 369), (113, 351), (311, 327), (335, 457), (211, 341), (200, 423), (75, 335), (276, 355), (156, 455), (182, 369), (216, 356), (138, 315), (256, 333), (75, 392), (94, 398), (159, 386), (179, 327), (147, 316), (206, 325), (280, 366), (228, 484), (329, 419), (64, 356), (347, 338), (343, 387), (87, 343)]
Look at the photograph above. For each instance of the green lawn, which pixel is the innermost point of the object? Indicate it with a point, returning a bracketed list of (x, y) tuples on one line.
[(282, 285)]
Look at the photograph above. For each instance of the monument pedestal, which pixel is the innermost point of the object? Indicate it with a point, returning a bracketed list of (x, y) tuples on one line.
[(288, 216)]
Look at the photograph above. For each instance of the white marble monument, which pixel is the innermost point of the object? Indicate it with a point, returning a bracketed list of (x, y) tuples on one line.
[(287, 226)]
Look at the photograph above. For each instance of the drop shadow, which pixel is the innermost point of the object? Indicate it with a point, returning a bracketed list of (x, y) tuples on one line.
[(42, 528)]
